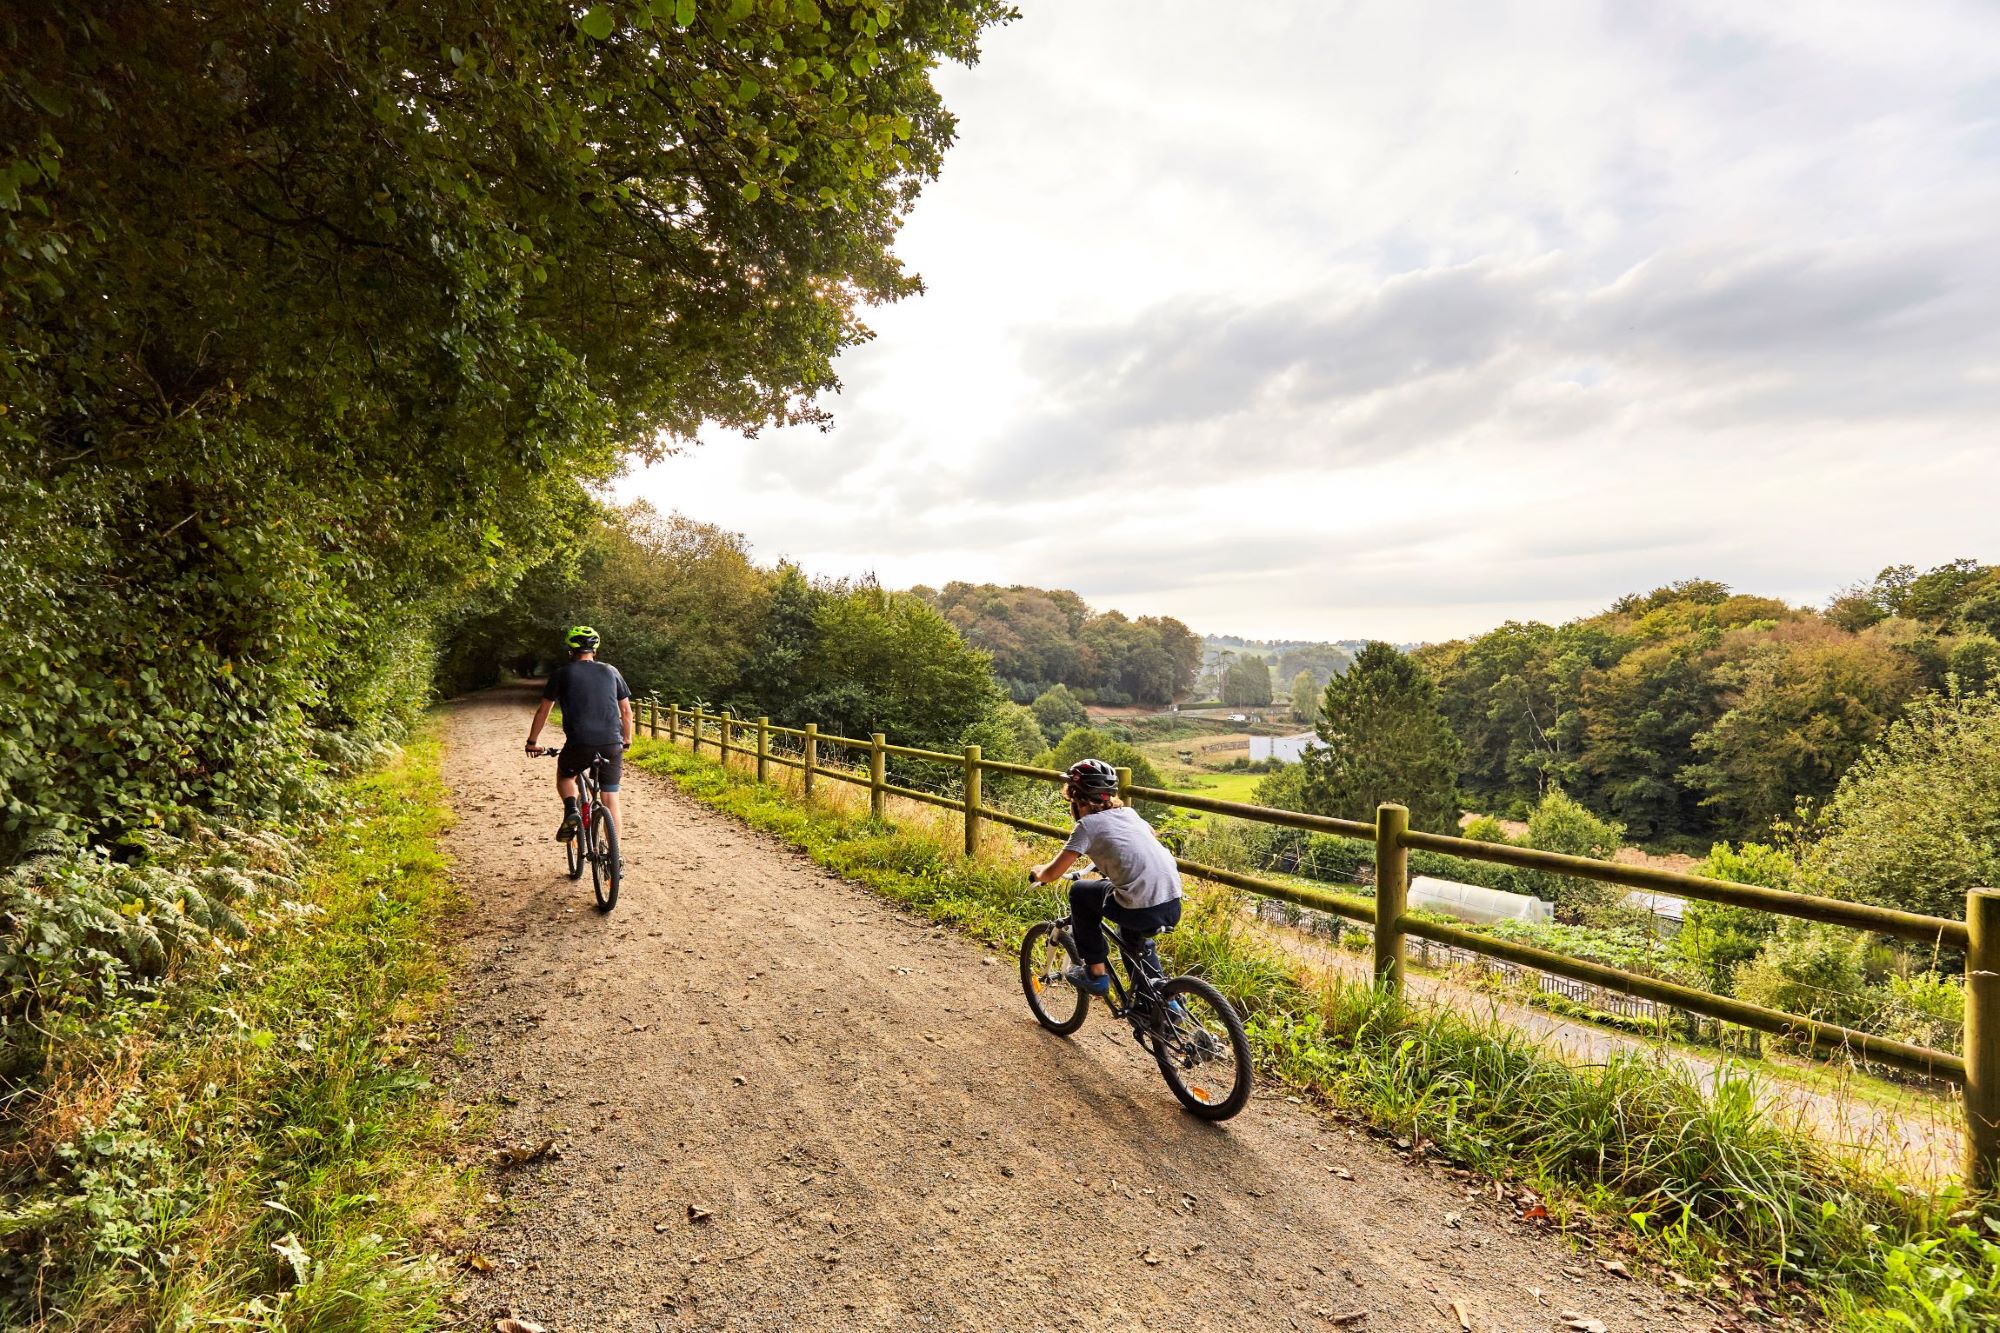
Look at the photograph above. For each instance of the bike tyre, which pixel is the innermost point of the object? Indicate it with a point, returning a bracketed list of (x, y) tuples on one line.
[(1031, 947), (605, 871), (573, 854), (1239, 1047)]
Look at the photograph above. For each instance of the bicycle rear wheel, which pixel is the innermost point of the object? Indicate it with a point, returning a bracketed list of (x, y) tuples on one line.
[(1056, 1004), (605, 870), (1202, 1049)]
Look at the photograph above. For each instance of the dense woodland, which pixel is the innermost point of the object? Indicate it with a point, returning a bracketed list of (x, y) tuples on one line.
[(1039, 638), (1692, 712)]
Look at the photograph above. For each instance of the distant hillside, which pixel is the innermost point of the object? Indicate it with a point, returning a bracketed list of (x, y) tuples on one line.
[(1043, 637)]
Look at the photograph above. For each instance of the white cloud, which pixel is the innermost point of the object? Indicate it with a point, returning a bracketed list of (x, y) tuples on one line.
[(1404, 320)]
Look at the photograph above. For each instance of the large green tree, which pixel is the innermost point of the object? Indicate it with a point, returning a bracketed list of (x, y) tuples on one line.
[(317, 318), (1382, 739), (1305, 697), (886, 661), (1916, 821), (1247, 683)]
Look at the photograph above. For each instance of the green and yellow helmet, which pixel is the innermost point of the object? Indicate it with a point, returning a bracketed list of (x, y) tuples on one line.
[(581, 639)]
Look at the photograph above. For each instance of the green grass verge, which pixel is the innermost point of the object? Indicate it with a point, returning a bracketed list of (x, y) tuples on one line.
[(1705, 1181), (237, 1135)]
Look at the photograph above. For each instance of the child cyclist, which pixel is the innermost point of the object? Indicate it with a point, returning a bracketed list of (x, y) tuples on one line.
[(1141, 885)]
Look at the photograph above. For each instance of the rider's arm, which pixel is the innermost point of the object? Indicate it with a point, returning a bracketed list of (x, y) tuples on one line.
[(541, 718), (625, 718), (1054, 870)]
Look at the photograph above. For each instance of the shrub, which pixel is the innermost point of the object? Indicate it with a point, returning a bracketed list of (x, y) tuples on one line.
[(1058, 712), (1716, 939), (1559, 824), (1807, 968), (1916, 822)]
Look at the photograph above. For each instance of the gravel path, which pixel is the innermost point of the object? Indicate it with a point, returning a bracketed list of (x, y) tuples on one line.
[(776, 1102)]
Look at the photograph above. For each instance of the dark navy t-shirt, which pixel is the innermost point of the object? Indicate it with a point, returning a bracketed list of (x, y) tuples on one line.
[(588, 694)]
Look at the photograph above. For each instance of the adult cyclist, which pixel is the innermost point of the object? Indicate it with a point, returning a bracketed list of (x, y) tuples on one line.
[(597, 722), (1140, 888)]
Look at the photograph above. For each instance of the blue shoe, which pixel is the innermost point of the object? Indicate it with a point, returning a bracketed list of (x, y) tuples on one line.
[(1080, 977)]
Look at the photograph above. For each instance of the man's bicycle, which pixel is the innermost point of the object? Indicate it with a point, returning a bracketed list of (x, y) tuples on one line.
[(596, 840), (1192, 1031)]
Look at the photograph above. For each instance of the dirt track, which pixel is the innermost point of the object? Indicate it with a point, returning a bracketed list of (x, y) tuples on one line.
[(777, 1102)]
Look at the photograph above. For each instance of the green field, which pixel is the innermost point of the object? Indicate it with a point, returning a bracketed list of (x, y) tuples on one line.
[(1222, 786)]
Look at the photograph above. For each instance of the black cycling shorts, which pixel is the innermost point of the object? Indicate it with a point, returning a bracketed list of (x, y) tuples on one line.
[(576, 757)]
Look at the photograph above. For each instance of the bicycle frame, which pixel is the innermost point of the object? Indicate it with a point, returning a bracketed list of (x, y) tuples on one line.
[(589, 788), (1147, 975)]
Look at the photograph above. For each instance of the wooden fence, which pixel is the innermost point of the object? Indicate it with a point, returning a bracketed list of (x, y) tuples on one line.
[(1977, 1072)]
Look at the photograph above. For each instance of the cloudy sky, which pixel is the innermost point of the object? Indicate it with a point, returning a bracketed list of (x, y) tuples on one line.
[(1309, 319)]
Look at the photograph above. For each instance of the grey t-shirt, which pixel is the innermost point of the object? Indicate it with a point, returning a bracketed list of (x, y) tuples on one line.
[(589, 693), (1122, 847)]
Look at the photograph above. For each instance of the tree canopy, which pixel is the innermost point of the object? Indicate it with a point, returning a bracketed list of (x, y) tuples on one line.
[(1382, 739), (1041, 638), (318, 321), (1691, 710)]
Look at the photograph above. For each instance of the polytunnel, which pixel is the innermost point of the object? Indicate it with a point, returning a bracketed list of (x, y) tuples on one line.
[(1476, 903)]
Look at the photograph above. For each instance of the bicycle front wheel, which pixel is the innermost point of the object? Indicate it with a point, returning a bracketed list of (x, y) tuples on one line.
[(605, 870), (1202, 1049), (1045, 957)]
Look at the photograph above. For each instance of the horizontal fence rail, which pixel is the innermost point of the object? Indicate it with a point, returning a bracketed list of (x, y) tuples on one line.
[(1977, 1071)]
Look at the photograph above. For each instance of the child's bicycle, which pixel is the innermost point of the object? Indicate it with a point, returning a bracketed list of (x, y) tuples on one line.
[(596, 840), (1194, 1033)]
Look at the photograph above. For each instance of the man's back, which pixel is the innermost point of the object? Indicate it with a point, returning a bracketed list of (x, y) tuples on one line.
[(588, 692)]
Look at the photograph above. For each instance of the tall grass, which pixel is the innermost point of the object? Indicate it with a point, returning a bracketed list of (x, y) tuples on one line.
[(239, 1136), (1706, 1179)]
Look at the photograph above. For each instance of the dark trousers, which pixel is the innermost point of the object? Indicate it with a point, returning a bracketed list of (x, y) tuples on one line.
[(1090, 903)]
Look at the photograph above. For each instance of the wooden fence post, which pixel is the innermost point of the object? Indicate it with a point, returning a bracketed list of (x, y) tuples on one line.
[(812, 755), (1125, 785), (673, 724), (763, 747), (1982, 1039), (696, 733), (653, 717), (1392, 894), (726, 718), (972, 800), (877, 764)]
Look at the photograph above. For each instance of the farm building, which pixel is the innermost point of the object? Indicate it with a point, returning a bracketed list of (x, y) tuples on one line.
[(1284, 749)]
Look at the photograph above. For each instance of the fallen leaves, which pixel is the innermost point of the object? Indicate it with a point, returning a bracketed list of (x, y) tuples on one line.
[(513, 1325), (1464, 1319), (1581, 1324)]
